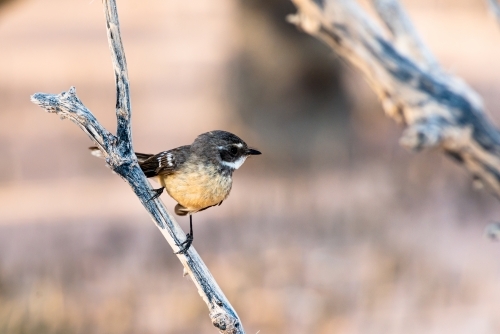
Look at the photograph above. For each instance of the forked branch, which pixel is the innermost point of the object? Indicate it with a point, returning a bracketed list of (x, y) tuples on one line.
[(438, 109), (120, 157)]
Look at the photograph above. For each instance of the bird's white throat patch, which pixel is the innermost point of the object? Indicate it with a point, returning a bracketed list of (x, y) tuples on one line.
[(235, 164)]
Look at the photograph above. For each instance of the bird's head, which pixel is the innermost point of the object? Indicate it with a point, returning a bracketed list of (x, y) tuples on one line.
[(224, 147)]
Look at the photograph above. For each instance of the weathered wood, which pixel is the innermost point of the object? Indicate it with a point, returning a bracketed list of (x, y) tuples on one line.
[(438, 109), (495, 9), (120, 157), (405, 37)]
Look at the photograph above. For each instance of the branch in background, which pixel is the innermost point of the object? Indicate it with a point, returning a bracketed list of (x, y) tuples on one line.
[(406, 38), (492, 231), (121, 158), (495, 8), (438, 110)]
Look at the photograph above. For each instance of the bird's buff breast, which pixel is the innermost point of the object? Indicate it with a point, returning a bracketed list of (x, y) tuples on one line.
[(197, 188)]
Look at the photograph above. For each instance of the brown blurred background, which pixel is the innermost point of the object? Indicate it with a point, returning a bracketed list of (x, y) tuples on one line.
[(334, 229)]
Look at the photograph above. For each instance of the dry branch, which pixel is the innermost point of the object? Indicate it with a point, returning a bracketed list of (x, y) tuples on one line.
[(121, 158), (495, 8), (438, 109), (405, 37)]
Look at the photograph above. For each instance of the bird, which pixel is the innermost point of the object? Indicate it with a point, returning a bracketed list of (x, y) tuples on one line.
[(197, 176)]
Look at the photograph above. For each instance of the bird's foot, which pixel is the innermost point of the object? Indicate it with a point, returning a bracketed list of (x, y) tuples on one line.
[(184, 246), (157, 193)]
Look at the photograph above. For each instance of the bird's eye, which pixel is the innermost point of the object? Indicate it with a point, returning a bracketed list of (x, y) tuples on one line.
[(233, 150)]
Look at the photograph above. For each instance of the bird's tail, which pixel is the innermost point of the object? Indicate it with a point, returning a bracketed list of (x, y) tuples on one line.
[(141, 157)]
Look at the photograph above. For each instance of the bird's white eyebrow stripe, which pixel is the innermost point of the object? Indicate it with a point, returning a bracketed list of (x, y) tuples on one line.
[(240, 145)]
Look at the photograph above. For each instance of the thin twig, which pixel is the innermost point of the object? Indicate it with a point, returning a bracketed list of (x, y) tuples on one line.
[(123, 106), (121, 158)]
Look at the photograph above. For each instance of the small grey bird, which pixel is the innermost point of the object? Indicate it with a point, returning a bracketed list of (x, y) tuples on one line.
[(197, 176)]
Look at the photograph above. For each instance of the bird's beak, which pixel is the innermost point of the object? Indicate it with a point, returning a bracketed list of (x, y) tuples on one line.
[(251, 151)]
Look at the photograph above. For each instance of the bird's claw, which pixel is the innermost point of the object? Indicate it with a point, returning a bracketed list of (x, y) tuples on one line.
[(157, 193), (184, 246)]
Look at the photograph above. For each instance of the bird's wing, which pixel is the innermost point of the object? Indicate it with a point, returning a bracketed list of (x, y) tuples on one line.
[(141, 157), (165, 162)]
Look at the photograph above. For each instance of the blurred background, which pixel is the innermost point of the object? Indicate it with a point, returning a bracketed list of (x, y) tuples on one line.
[(334, 229)]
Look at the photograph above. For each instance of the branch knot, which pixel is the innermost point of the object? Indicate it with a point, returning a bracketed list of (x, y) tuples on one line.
[(424, 133)]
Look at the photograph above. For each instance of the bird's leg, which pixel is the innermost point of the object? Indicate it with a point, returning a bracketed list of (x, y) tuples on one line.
[(189, 238), (157, 193)]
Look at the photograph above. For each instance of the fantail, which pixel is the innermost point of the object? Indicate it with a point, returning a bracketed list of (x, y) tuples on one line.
[(197, 176)]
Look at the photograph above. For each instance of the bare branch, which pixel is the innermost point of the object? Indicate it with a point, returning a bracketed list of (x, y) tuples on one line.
[(495, 8), (406, 38), (438, 109), (123, 107), (121, 158), (68, 105)]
